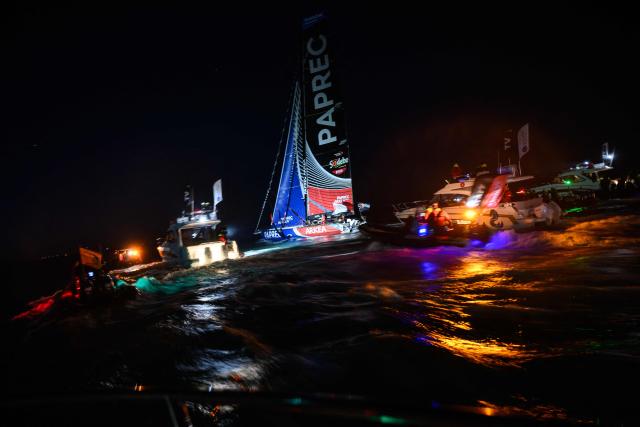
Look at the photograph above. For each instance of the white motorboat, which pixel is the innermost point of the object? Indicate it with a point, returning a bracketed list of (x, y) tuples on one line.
[(580, 181), (519, 211), (198, 238)]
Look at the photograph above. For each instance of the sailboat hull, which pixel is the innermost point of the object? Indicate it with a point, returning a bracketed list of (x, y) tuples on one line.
[(309, 232)]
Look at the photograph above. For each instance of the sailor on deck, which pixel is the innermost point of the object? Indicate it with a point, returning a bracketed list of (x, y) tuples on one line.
[(438, 218)]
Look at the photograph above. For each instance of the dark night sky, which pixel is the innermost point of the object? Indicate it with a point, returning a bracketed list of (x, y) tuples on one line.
[(109, 112)]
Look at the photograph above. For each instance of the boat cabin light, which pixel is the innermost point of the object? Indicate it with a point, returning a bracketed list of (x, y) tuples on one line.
[(133, 252)]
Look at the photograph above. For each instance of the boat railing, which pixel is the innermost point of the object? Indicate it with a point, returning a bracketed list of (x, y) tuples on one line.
[(399, 207), (201, 215)]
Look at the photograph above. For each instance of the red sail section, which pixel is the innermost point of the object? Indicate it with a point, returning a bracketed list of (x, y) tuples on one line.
[(323, 200)]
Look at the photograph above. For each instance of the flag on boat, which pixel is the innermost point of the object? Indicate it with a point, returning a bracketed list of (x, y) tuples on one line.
[(507, 139), (90, 258), (217, 198), (508, 148), (217, 192), (523, 141)]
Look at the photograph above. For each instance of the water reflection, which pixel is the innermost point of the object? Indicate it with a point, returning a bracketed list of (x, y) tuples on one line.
[(484, 352), (473, 288), (220, 370)]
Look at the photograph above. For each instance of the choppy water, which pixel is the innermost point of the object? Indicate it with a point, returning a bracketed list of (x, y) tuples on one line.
[(543, 323)]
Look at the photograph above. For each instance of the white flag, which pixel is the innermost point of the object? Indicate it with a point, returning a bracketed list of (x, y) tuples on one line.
[(217, 193), (523, 140)]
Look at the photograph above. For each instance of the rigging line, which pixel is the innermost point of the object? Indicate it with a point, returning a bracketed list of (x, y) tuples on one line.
[(295, 112), (275, 165), (293, 170), (303, 136), (296, 214), (300, 143)]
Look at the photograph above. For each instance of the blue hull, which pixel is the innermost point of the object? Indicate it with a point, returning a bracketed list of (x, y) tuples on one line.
[(279, 235)]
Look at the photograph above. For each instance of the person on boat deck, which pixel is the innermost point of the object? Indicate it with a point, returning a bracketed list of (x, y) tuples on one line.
[(78, 284), (482, 170), (222, 234), (427, 213), (438, 218), (456, 171)]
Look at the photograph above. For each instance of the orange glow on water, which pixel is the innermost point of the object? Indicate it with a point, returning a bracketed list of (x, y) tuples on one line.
[(488, 411), (484, 352)]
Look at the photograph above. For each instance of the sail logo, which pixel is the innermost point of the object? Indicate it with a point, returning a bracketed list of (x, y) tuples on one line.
[(336, 163), (338, 166), (285, 220), (315, 230), (320, 83), (271, 234)]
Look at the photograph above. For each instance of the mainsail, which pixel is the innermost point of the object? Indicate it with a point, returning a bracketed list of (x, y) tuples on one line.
[(315, 177), (327, 165), (289, 208)]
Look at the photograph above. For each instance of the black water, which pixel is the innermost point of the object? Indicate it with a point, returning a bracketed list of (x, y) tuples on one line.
[(543, 324)]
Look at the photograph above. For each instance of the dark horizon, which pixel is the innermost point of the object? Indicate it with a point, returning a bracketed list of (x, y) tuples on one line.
[(111, 112)]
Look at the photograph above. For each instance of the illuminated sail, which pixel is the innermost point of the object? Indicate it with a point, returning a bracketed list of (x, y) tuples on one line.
[(289, 208), (327, 163)]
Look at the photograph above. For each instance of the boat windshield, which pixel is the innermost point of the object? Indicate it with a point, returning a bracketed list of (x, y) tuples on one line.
[(568, 179), (195, 236), (449, 200)]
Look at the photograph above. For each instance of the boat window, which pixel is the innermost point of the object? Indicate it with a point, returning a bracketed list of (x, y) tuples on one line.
[(195, 236), (449, 200), (571, 179), (568, 179), (521, 194)]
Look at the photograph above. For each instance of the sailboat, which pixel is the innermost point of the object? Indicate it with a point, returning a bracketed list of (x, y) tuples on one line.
[(314, 196)]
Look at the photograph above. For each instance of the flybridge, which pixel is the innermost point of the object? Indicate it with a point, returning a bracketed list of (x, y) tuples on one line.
[(320, 82)]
